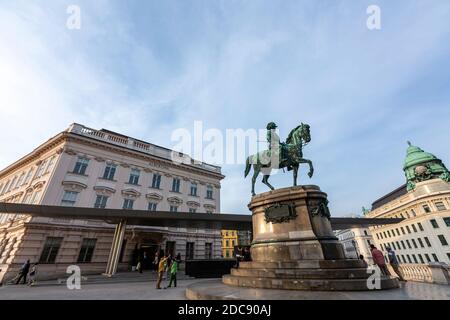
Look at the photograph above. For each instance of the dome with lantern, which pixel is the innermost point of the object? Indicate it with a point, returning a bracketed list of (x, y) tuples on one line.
[(421, 166)]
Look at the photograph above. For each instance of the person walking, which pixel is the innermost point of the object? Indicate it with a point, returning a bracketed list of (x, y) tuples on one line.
[(378, 259), (24, 272), (161, 268), (394, 263), (33, 275), (173, 273)]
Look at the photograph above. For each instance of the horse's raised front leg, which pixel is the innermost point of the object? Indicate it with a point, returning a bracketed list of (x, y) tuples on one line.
[(311, 168), (265, 180)]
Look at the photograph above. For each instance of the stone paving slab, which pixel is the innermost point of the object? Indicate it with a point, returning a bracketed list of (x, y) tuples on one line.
[(216, 290)]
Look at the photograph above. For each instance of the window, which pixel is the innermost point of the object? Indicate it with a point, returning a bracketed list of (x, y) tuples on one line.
[(40, 169), (227, 244), (192, 210), (81, 166), (421, 259), (420, 226), (156, 182), (398, 245), (152, 206), (14, 183), (398, 231), (448, 256), (409, 258), (420, 242), (50, 251), (403, 244), (134, 176), (51, 162), (128, 204), (389, 233), (176, 185), (5, 189), (87, 250), (415, 259), (100, 202), (27, 197), (434, 223), (427, 257), (403, 230), (393, 246), (189, 250), (426, 208), (440, 206), (428, 242), (414, 228), (409, 244), (384, 234), (208, 250), (408, 229), (414, 243), (28, 177), (173, 209), (69, 198), (20, 181), (365, 233), (447, 221), (435, 257), (110, 171), (443, 240), (36, 197), (194, 189), (413, 212), (378, 236), (209, 192)]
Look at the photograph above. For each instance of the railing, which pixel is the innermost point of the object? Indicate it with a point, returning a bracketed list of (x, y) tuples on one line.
[(135, 145), (429, 273)]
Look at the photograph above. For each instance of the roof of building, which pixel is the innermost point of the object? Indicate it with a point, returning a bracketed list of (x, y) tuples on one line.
[(400, 191)]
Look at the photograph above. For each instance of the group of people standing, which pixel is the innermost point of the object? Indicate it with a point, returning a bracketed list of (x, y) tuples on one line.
[(28, 270), (378, 259), (167, 264)]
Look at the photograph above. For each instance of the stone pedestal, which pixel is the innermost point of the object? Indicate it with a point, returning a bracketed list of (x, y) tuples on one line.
[(294, 246)]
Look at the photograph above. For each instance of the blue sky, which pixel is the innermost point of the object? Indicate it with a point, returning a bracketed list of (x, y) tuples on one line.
[(146, 68)]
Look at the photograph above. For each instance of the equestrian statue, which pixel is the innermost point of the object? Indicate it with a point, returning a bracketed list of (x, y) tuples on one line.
[(280, 155)]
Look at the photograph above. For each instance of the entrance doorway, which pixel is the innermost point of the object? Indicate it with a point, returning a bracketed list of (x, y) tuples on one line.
[(147, 252)]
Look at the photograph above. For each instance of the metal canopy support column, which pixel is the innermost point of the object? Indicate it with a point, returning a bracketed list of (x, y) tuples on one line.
[(116, 246)]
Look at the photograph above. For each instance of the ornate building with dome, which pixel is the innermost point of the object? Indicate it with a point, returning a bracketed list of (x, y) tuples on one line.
[(424, 202)]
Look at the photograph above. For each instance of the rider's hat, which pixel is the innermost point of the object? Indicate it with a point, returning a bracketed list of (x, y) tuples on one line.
[(271, 126)]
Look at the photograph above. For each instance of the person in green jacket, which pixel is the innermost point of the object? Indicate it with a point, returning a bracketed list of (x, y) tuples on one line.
[(173, 273)]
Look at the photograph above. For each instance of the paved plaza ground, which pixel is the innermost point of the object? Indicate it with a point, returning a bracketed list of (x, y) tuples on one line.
[(145, 290)]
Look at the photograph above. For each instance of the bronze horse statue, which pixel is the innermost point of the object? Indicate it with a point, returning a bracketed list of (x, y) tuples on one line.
[(289, 155)]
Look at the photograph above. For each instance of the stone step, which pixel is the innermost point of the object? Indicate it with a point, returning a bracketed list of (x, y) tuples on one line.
[(309, 284), (304, 264), (356, 273)]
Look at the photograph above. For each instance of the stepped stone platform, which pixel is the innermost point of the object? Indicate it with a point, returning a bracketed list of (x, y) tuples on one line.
[(322, 275)]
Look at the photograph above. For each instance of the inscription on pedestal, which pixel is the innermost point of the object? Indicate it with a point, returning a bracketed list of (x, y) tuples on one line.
[(279, 213)]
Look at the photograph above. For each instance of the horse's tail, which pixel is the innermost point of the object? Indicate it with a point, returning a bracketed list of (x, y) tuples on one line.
[(248, 166)]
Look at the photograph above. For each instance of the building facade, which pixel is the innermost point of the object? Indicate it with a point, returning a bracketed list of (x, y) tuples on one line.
[(356, 242), (229, 241), (424, 202), (102, 169)]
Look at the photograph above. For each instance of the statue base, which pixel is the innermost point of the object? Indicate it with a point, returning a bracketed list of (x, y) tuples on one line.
[(294, 247)]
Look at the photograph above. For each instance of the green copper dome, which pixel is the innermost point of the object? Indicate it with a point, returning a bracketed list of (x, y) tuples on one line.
[(415, 156), (421, 166)]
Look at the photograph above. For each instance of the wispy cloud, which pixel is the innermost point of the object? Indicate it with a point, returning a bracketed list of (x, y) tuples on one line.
[(146, 68)]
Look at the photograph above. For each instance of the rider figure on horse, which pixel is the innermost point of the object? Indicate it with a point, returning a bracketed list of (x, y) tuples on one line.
[(274, 140)]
